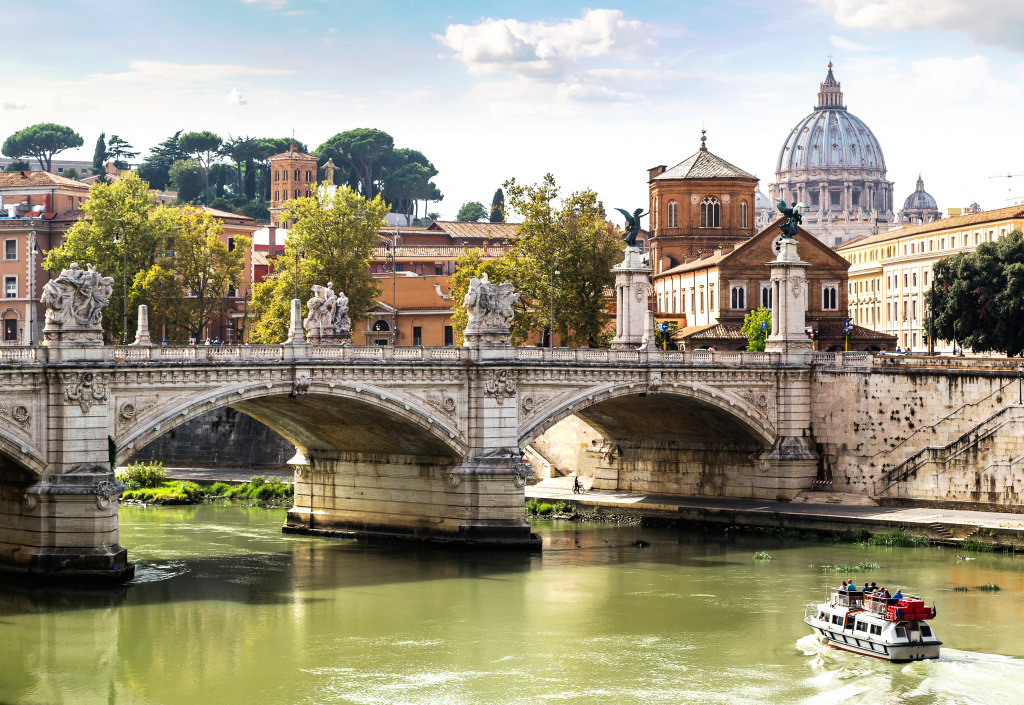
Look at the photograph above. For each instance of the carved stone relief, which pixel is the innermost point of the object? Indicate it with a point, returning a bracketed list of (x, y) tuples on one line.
[(531, 402), (85, 392), (443, 402), (130, 411), (500, 384), (18, 413)]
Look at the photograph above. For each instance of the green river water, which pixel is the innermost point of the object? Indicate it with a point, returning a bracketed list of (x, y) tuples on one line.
[(225, 609)]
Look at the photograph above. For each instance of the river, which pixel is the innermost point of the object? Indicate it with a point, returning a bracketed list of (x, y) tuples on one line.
[(225, 609)]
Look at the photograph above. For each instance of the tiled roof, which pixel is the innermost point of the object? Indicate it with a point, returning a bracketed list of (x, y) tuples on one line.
[(259, 257), (704, 165), (72, 215), (20, 179), (834, 330), (697, 264), (221, 214), (293, 155), (488, 231), (959, 221), (716, 331)]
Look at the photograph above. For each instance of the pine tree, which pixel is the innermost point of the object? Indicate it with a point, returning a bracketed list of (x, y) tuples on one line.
[(99, 158), (498, 207)]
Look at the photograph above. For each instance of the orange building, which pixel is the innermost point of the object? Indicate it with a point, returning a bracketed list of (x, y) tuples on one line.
[(231, 325), (293, 175), (701, 203), (37, 210)]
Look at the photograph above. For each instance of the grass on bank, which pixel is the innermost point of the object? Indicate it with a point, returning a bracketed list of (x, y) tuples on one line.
[(148, 483)]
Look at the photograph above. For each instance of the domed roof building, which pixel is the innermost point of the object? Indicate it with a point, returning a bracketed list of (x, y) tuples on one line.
[(765, 212), (833, 162), (919, 207)]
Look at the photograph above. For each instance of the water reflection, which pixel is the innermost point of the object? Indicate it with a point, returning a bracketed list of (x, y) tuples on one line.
[(227, 609)]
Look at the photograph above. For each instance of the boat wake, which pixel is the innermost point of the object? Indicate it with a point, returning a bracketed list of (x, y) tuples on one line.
[(955, 678)]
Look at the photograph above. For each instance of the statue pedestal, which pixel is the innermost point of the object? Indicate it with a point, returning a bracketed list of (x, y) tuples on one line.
[(487, 337), (54, 334), (328, 335), (789, 310), (632, 281)]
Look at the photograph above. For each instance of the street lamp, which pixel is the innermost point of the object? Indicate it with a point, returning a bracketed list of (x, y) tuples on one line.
[(1020, 373), (299, 256), (390, 251), (31, 305), (121, 238), (551, 331)]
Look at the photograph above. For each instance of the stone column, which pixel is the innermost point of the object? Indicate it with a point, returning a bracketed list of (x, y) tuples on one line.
[(142, 329), (632, 281), (792, 462), (296, 335)]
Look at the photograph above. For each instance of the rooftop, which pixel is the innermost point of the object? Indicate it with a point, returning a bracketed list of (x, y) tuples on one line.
[(704, 165), (1012, 212), (487, 231), (35, 179)]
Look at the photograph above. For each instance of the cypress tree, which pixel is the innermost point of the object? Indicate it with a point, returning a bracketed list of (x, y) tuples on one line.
[(99, 157), (498, 207)]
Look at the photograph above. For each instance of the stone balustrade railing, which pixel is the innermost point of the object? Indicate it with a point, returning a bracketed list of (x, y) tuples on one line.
[(11, 355)]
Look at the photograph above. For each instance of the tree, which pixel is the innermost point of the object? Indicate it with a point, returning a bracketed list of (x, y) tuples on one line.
[(573, 238), (756, 326), (124, 207), (265, 148), (156, 168), (71, 173), (119, 150), (331, 241), (187, 179), (99, 158), (471, 212), (41, 141), (204, 145), (498, 207), (406, 181), (363, 150), (18, 165), (187, 285), (978, 297)]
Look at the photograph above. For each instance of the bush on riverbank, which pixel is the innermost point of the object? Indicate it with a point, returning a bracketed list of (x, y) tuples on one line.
[(900, 538), (139, 476), (257, 488), (173, 492), (537, 508)]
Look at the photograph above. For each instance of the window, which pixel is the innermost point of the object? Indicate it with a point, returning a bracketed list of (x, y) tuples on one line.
[(693, 301), (710, 213), (284, 175), (836, 619), (738, 297), (10, 330), (438, 270), (417, 335), (231, 291), (277, 175), (926, 630), (10, 287), (743, 214), (915, 278), (309, 175), (925, 275), (10, 249), (277, 195), (231, 244), (702, 299), (673, 214), (766, 294), (877, 629), (449, 336), (711, 297), (296, 193), (297, 173), (861, 627), (829, 297), (399, 267)]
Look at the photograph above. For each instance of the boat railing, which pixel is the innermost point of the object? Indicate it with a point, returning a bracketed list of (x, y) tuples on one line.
[(848, 598)]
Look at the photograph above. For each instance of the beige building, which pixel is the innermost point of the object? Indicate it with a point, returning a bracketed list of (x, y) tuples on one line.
[(890, 272)]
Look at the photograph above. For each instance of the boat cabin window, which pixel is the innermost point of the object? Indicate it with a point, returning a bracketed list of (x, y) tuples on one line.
[(861, 627), (901, 633), (876, 629), (925, 630), (836, 619)]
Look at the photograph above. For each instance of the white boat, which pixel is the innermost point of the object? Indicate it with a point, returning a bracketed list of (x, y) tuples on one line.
[(886, 628)]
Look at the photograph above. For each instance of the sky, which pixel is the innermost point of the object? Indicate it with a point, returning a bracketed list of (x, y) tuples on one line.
[(489, 91)]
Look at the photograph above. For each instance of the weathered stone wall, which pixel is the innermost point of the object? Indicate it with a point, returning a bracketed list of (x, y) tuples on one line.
[(866, 422), (566, 446), (222, 438)]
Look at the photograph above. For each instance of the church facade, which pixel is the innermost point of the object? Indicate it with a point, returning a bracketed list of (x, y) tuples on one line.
[(833, 162)]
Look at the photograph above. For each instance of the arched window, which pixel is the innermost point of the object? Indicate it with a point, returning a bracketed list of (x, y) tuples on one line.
[(673, 214), (284, 175), (710, 213), (297, 172), (296, 193), (829, 298), (743, 214), (277, 195), (308, 176), (738, 297), (277, 175), (766, 294)]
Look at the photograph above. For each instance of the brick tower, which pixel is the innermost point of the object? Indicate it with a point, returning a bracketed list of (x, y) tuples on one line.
[(293, 175)]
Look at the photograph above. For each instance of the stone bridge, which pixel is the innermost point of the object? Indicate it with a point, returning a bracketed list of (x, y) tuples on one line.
[(407, 441)]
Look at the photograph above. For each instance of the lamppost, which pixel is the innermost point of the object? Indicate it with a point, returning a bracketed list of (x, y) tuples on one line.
[(1020, 373), (551, 331), (121, 238), (31, 303), (390, 247), (300, 256)]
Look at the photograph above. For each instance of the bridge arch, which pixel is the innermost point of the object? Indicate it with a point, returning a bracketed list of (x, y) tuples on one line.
[(19, 453), (614, 407), (329, 417)]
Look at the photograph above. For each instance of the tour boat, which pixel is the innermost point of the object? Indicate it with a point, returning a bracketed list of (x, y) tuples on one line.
[(887, 628)]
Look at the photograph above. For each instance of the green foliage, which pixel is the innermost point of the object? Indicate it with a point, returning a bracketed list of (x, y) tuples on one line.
[(762, 556), (333, 239), (471, 212), (175, 492), (976, 545), (979, 296), (41, 141), (144, 229), (71, 173), (186, 177), (406, 180), (261, 489), (18, 165), (139, 476), (205, 146), (862, 567), (664, 340), (99, 158), (187, 284), (120, 151), (989, 587), (363, 151), (961, 588), (218, 489), (564, 508), (156, 167), (545, 509), (472, 265), (898, 537), (532, 506), (498, 207), (752, 328)]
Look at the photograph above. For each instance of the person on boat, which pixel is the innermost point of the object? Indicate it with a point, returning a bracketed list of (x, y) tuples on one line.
[(844, 586), (898, 595), (851, 586)]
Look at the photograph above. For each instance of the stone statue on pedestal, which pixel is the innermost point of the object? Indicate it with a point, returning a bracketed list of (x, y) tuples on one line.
[(632, 225), (793, 217), (328, 320), (74, 306), (490, 310)]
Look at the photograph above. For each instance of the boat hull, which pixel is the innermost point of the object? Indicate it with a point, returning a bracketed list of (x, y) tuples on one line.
[(895, 653)]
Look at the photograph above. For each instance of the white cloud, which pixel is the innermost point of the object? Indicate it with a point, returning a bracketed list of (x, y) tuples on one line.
[(986, 21), (164, 71), (546, 48), (15, 105), (269, 4), (234, 97)]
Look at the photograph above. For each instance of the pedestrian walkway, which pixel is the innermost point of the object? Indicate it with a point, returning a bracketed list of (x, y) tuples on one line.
[(1002, 528)]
